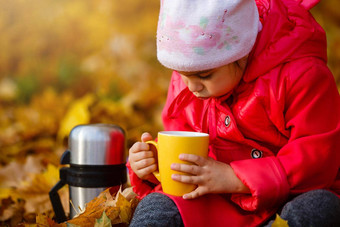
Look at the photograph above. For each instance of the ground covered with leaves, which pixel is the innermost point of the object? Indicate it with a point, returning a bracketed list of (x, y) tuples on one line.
[(105, 210), (64, 63)]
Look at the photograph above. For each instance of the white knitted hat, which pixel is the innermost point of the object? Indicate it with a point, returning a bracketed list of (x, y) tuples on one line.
[(195, 35)]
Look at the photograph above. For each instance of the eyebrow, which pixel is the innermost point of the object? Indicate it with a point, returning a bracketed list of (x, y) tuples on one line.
[(195, 73)]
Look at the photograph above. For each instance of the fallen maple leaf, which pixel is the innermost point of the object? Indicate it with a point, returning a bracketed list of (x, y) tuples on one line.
[(125, 208), (93, 210), (119, 209), (103, 221)]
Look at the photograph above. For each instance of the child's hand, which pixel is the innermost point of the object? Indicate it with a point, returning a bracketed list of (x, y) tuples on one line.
[(210, 175), (142, 159)]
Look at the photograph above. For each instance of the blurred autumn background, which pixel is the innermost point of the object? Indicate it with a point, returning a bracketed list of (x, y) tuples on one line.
[(70, 62)]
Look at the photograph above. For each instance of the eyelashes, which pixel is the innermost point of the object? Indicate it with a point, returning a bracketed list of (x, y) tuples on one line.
[(204, 77)]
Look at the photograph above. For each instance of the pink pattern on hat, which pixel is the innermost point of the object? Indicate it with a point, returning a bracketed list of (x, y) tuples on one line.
[(199, 39)]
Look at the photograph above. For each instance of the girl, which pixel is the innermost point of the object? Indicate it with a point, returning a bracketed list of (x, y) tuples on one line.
[(253, 75)]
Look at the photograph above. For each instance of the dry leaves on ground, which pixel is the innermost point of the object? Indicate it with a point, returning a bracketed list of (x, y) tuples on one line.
[(105, 210), (24, 188)]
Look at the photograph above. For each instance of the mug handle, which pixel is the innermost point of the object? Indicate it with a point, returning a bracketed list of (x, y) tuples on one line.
[(155, 173)]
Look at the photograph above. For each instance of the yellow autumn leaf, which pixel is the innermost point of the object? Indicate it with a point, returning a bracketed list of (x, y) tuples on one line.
[(42, 182), (77, 114), (51, 175), (103, 221), (93, 210), (279, 222), (14, 174), (118, 210), (35, 191), (6, 192), (42, 220), (125, 208)]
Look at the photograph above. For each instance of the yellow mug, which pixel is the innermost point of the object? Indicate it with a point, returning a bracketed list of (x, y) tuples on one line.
[(169, 146)]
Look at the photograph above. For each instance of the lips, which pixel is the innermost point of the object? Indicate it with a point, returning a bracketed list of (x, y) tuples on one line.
[(203, 98), (197, 94)]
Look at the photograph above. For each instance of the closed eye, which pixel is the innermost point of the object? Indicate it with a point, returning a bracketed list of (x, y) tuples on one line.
[(204, 77)]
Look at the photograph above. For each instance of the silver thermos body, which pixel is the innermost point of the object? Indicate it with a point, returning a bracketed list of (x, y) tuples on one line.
[(96, 158)]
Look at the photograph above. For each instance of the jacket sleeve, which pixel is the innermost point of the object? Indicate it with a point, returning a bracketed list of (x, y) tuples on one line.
[(310, 159), (141, 187)]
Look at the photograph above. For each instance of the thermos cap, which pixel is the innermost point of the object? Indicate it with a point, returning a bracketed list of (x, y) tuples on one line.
[(97, 144)]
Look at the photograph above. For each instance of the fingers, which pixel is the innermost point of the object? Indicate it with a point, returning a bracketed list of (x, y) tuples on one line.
[(195, 194), (138, 147), (144, 163), (198, 160), (187, 179), (186, 168), (145, 172), (193, 172), (195, 168), (197, 180), (139, 156), (142, 159), (141, 146), (146, 137)]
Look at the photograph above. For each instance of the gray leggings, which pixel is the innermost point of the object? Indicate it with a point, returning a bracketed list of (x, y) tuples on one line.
[(156, 210), (314, 208)]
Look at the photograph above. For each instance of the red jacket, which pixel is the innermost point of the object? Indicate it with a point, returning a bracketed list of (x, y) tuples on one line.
[(279, 129)]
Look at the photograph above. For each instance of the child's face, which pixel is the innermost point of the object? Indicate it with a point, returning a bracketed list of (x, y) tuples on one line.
[(215, 82)]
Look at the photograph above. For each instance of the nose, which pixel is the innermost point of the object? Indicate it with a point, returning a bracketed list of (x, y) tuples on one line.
[(195, 85)]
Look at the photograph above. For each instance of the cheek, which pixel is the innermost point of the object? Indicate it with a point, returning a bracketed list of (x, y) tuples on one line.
[(221, 87), (185, 80)]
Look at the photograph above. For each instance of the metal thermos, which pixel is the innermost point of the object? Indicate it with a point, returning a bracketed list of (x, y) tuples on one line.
[(96, 159)]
